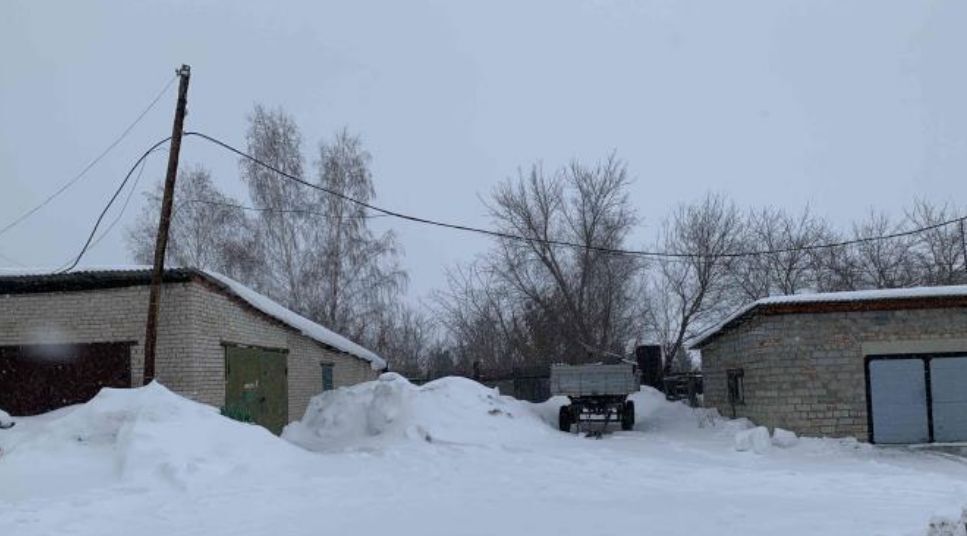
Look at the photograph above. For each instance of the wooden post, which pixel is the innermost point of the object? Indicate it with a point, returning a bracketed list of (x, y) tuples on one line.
[(963, 242), (161, 242)]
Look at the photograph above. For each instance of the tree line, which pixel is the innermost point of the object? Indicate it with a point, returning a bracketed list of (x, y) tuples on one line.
[(525, 303)]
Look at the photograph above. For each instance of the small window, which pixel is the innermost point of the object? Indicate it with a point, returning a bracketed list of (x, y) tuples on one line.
[(327, 384), (736, 385)]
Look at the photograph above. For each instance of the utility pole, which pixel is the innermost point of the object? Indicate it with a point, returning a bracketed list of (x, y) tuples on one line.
[(963, 242), (161, 242)]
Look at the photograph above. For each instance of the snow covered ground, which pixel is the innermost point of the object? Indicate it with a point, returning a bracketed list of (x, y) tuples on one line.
[(450, 458)]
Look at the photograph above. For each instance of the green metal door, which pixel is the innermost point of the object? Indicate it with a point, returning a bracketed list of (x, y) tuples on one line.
[(272, 380), (256, 386), (327, 383)]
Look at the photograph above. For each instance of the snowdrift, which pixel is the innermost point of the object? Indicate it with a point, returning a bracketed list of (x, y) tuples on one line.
[(446, 411), (943, 526), (135, 436), (5, 419)]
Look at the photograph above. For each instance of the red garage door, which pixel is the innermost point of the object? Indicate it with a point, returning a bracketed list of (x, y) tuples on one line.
[(38, 378)]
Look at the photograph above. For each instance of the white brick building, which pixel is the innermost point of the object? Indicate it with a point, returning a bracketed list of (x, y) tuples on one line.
[(64, 336), (887, 366)]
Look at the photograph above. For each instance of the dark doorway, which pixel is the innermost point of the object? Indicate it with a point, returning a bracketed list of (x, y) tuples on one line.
[(42, 377)]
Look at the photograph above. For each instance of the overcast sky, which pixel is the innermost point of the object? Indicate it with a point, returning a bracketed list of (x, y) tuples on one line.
[(842, 105)]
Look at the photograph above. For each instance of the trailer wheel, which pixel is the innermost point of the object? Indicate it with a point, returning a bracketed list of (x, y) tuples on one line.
[(564, 419), (628, 415)]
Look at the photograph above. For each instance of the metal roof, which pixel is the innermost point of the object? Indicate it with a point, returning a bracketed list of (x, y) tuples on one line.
[(22, 282)]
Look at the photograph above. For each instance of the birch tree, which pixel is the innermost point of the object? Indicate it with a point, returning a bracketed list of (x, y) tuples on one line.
[(208, 230), (361, 278), (285, 222)]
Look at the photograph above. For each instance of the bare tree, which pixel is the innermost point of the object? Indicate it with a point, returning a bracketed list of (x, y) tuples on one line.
[(836, 268), (285, 224), (478, 314), (531, 302), (691, 292), (208, 230), (584, 290), (320, 256), (939, 252), (410, 342), (883, 263), (359, 270), (788, 267)]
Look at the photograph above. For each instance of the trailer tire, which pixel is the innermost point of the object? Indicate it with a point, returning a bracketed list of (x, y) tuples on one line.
[(628, 416), (564, 419)]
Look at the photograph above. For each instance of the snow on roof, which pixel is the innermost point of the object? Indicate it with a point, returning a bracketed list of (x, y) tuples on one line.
[(307, 327), (834, 297), (869, 295), (259, 301)]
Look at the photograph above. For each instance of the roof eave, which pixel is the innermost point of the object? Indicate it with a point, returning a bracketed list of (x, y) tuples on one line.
[(828, 306)]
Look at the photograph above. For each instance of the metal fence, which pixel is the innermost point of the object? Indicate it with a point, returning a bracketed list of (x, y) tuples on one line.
[(531, 384)]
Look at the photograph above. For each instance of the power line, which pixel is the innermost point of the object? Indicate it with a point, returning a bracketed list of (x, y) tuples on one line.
[(107, 207), (12, 261), (92, 163), (270, 209), (510, 236), (427, 221), (127, 201)]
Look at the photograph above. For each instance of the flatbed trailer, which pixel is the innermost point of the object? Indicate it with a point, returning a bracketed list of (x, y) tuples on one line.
[(597, 393)]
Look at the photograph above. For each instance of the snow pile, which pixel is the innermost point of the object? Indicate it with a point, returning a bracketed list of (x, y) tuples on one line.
[(784, 438), (941, 526), (654, 413), (390, 410), (144, 436), (756, 439), (549, 410), (5, 419)]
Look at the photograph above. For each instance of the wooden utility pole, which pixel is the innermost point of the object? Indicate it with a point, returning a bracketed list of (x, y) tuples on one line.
[(161, 242), (963, 242)]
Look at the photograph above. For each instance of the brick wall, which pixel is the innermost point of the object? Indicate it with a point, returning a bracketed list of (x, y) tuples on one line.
[(193, 324), (805, 372), (220, 320), (105, 316)]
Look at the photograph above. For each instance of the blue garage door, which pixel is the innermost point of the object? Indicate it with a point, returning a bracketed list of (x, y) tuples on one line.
[(948, 385), (898, 400)]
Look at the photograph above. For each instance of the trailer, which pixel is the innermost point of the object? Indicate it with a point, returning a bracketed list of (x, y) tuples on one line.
[(597, 393)]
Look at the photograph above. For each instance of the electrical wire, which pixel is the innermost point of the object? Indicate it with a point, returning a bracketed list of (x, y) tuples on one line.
[(127, 201), (418, 219), (107, 207), (269, 209), (12, 261), (92, 163), (552, 242)]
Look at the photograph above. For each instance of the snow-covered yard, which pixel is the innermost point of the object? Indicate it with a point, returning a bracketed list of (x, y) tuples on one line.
[(450, 458)]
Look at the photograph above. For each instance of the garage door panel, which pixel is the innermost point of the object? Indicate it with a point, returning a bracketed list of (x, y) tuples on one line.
[(898, 394), (38, 378), (948, 384), (256, 385)]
